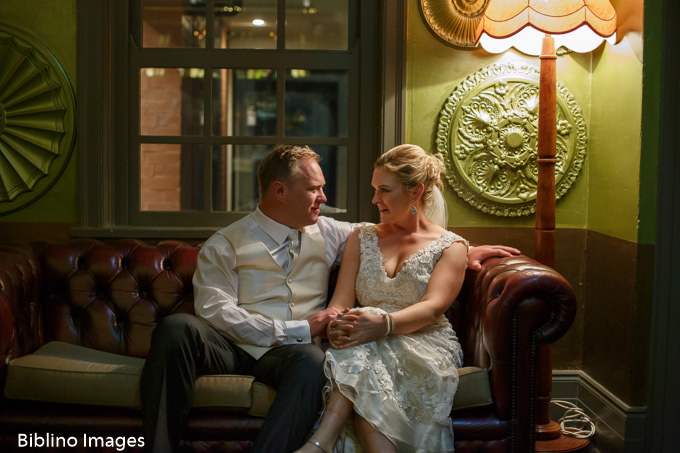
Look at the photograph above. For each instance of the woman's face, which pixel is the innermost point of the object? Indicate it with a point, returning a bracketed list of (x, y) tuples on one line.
[(392, 198)]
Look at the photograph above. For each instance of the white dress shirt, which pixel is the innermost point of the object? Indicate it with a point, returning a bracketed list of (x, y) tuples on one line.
[(216, 282)]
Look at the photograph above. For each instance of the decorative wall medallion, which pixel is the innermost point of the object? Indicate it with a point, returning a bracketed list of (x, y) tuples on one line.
[(454, 21), (488, 132), (37, 119)]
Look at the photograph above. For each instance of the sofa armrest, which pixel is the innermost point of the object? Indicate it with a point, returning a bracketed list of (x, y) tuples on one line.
[(515, 305), (21, 330)]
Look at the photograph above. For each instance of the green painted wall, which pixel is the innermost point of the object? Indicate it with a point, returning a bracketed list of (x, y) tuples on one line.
[(605, 196), (615, 128), (53, 23)]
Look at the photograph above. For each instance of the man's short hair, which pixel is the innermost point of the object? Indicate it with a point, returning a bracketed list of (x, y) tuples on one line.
[(281, 163)]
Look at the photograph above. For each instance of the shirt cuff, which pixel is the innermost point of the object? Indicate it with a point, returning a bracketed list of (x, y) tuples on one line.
[(297, 332)]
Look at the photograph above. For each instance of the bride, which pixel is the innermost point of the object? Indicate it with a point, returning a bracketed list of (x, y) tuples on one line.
[(392, 366)]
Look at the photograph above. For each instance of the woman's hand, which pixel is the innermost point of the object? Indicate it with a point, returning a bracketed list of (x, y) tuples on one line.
[(354, 328)]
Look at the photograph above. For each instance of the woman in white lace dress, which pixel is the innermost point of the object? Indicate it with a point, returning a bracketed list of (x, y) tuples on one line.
[(392, 366)]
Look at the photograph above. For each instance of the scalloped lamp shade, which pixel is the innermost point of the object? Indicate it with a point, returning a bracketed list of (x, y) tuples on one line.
[(578, 25)]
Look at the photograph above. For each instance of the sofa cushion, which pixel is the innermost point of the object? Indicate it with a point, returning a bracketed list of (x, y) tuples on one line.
[(66, 373), (473, 388)]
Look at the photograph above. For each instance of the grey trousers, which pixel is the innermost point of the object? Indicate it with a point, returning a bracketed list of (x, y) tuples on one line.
[(184, 347)]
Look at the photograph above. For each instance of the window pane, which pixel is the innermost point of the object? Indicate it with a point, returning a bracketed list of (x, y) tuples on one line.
[(173, 23), (245, 24), (334, 166), (171, 101), (171, 177), (234, 177), (244, 102), (316, 103), (317, 24)]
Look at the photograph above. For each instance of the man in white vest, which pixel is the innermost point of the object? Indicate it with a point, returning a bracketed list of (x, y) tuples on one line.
[(260, 291)]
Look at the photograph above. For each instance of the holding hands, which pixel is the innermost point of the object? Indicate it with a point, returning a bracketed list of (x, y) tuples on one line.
[(352, 328), (320, 320)]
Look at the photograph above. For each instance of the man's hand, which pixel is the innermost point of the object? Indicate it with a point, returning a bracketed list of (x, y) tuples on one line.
[(477, 255), (319, 320)]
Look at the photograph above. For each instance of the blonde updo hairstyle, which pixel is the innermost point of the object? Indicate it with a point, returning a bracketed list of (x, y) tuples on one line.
[(413, 166)]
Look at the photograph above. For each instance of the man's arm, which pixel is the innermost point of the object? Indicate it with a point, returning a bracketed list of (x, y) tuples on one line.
[(477, 255), (216, 300)]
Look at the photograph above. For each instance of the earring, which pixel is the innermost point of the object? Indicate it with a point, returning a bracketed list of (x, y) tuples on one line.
[(413, 209)]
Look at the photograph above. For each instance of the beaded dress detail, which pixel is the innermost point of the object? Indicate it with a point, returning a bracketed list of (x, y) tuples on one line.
[(402, 384)]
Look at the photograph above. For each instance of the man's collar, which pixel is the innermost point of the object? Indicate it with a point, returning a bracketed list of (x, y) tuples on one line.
[(277, 231)]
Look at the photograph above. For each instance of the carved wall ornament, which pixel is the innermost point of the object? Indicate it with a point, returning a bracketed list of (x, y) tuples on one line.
[(454, 21), (488, 133), (37, 119)]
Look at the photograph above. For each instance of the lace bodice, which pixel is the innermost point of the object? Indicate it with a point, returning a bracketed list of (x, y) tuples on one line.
[(376, 289)]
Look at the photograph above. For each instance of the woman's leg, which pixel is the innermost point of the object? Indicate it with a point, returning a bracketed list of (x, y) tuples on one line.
[(372, 440), (337, 410)]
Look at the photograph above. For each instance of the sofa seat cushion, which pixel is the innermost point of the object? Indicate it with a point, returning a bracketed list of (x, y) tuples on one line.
[(62, 372), (66, 373)]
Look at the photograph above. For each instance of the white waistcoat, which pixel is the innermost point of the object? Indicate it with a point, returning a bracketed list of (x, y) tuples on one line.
[(265, 288)]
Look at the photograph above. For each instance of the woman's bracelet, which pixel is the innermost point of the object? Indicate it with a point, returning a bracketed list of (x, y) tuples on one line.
[(390, 323)]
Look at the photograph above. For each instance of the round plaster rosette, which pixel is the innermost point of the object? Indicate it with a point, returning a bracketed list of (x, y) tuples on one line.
[(488, 132), (37, 119)]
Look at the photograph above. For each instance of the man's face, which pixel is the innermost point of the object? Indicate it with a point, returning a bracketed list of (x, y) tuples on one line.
[(304, 194)]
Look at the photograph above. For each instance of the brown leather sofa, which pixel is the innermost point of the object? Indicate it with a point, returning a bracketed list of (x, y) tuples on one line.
[(108, 296)]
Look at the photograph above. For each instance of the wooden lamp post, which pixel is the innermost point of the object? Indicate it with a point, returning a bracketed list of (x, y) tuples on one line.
[(539, 27)]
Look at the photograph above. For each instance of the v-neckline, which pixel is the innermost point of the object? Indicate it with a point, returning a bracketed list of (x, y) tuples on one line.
[(382, 257)]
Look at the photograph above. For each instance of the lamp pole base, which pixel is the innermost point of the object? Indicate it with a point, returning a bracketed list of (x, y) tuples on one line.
[(562, 444), (548, 431)]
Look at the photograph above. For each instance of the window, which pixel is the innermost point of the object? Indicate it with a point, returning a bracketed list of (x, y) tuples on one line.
[(190, 94)]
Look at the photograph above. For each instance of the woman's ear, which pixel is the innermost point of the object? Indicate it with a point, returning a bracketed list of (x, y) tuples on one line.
[(417, 191)]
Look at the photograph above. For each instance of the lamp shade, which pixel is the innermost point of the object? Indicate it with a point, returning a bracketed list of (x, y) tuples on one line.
[(578, 25)]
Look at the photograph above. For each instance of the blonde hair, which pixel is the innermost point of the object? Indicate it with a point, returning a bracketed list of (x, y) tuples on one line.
[(413, 166), (281, 164)]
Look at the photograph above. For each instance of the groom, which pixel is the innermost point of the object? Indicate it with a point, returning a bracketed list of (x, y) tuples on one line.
[(260, 294)]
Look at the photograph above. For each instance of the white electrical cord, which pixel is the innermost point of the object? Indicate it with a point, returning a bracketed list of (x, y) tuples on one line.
[(574, 422)]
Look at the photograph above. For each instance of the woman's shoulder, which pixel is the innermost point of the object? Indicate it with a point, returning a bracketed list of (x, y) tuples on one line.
[(370, 227), (449, 237), (368, 230)]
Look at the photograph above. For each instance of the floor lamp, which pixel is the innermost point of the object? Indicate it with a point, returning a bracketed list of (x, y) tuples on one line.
[(539, 27)]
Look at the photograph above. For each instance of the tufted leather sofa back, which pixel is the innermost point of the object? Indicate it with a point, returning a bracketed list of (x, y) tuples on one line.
[(110, 296)]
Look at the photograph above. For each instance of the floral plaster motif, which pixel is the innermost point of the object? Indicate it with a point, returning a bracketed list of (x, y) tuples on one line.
[(488, 133), (36, 120)]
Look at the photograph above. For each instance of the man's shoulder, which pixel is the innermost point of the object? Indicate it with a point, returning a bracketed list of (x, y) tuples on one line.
[(329, 223), (238, 227)]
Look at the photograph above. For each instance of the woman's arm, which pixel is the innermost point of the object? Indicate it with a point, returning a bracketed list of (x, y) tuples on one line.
[(344, 294), (442, 289)]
